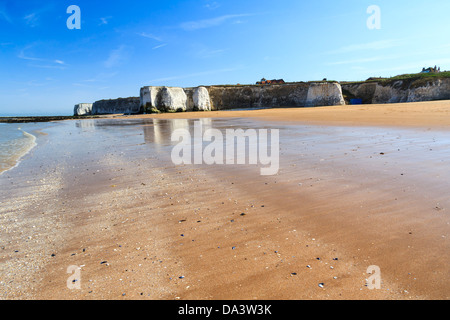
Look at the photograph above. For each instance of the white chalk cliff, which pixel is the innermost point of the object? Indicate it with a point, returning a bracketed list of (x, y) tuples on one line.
[(400, 91), (164, 99), (324, 94), (149, 96), (202, 101), (83, 109), (172, 99), (298, 94)]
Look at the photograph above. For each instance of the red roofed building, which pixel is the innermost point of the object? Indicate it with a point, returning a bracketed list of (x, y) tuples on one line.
[(269, 82)]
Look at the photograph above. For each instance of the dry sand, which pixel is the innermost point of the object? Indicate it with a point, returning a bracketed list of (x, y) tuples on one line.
[(104, 196), (416, 114)]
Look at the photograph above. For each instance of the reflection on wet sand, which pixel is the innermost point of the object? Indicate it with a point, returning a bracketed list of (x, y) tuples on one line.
[(87, 125), (159, 131)]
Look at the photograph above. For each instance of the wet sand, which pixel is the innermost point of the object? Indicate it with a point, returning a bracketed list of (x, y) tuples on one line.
[(354, 189)]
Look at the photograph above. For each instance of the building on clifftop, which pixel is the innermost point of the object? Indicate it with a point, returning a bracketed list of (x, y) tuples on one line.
[(431, 70), (268, 82)]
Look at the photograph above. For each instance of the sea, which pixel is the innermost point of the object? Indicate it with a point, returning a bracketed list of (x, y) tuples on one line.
[(15, 142)]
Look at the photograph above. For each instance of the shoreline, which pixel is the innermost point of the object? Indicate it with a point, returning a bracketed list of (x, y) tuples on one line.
[(23, 153), (124, 215), (28, 119)]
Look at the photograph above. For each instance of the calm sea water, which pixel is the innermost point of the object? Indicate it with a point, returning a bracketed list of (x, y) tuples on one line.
[(15, 142)]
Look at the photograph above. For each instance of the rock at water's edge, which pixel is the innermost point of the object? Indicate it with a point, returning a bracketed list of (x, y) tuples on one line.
[(83, 109)]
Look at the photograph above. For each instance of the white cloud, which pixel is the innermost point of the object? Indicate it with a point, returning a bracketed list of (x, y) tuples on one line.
[(192, 75), (208, 23), (153, 37), (47, 66), (104, 20), (362, 60), (102, 77), (22, 55), (32, 19), (160, 46), (4, 15), (117, 57), (375, 45), (207, 53), (49, 63), (150, 36), (212, 5)]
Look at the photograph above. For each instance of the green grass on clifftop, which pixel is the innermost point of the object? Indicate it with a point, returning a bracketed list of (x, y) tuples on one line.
[(417, 79)]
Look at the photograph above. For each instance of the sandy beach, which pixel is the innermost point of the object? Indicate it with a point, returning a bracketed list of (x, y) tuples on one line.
[(414, 114), (358, 186)]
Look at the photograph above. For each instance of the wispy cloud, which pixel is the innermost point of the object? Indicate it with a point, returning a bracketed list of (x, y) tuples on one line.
[(45, 63), (160, 46), (212, 5), (96, 81), (193, 75), (22, 55), (150, 36), (101, 77), (208, 23), (117, 57), (205, 53), (155, 38), (48, 66), (32, 19), (4, 14), (362, 60), (104, 20), (375, 45)]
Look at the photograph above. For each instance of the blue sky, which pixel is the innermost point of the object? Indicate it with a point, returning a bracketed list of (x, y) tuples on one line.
[(45, 68)]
